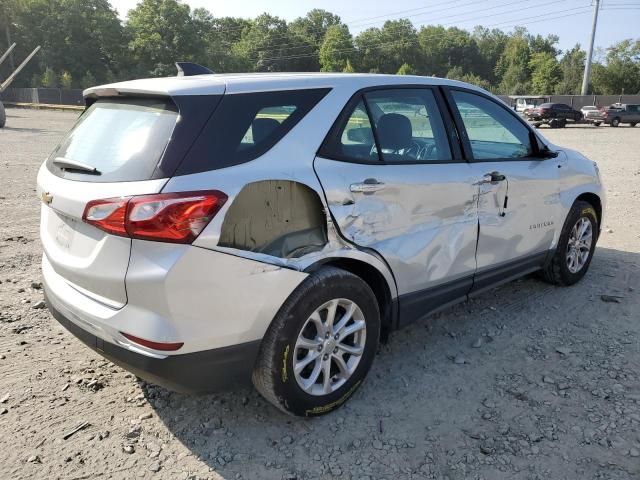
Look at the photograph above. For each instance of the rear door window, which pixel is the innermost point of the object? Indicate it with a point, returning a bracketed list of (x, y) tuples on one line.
[(408, 125), (123, 140), (398, 125)]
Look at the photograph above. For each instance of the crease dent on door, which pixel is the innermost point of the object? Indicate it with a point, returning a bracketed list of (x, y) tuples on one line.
[(426, 229)]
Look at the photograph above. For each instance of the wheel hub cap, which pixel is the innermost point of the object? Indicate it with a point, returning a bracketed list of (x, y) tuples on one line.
[(329, 346)]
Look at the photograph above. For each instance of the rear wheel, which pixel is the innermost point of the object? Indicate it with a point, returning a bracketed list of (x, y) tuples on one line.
[(320, 345), (3, 116), (615, 122), (596, 124), (562, 123), (633, 124), (575, 247)]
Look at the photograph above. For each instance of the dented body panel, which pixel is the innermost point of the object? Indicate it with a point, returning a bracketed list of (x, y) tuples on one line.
[(532, 217), (424, 221)]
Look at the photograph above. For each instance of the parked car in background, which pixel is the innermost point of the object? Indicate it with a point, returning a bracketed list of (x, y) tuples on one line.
[(555, 115), (592, 114), (527, 102), (205, 230), (619, 113)]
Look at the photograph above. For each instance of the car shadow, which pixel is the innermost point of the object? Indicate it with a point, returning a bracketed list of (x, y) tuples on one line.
[(416, 398)]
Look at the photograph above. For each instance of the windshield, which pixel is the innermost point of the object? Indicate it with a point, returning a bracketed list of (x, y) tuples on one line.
[(116, 140)]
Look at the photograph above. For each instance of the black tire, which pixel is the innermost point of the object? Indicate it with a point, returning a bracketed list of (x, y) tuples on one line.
[(633, 124), (596, 124), (553, 123), (273, 374), (562, 123), (615, 122), (3, 116), (557, 271)]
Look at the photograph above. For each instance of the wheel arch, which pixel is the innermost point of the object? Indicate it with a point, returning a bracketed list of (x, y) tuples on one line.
[(377, 281), (595, 201)]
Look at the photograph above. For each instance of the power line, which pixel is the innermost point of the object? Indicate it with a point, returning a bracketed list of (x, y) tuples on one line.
[(291, 48), (505, 23)]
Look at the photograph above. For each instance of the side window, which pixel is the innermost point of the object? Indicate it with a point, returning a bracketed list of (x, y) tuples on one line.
[(245, 126), (408, 125), (493, 132), (265, 123), (356, 139)]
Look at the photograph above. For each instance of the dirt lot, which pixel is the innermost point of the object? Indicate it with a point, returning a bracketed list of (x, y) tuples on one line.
[(549, 389)]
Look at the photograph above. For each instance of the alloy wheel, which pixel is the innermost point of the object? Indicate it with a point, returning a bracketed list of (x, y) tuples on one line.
[(329, 347), (579, 245)]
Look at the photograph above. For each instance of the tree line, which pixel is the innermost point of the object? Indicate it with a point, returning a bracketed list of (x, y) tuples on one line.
[(84, 43)]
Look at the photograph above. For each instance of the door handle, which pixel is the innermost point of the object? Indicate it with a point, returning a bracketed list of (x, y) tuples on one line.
[(492, 177), (370, 185)]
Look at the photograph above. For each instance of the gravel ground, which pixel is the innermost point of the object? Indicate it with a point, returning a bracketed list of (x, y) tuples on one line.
[(549, 387)]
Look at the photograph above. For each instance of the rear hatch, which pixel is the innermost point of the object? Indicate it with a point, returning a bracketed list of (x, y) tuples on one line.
[(113, 151)]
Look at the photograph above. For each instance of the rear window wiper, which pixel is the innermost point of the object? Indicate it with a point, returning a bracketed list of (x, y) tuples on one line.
[(68, 164)]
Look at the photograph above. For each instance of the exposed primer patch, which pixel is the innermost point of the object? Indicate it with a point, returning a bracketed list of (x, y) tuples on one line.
[(281, 218)]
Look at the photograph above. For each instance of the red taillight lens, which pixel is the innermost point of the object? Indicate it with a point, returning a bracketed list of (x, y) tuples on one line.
[(164, 217), (108, 215), (164, 347)]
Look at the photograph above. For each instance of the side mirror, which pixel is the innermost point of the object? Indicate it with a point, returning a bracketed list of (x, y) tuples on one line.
[(540, 149)]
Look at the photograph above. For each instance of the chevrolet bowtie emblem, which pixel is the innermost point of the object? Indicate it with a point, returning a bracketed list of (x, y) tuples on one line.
[(47, 198)]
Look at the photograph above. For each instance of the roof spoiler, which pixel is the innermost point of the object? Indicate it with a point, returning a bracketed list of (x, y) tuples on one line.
[(187, 69)]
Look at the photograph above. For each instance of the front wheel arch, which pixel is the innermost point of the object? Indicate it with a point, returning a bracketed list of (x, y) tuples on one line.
[(595, 202)]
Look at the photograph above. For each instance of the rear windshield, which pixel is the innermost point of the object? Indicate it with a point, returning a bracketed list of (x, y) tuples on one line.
[(122, 139), (244, 126)]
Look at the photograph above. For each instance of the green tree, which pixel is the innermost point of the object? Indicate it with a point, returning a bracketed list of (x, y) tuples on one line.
[(443, 49), (314, 25), (267, 46), (621, 74), (491, 44), (336, 49), (66, 80), (75, 35), (572, 66), (399, 45), (88, 80), (162, 32), (546, 73), (406, 69), (513, 65), (348, 68), (49, 78)]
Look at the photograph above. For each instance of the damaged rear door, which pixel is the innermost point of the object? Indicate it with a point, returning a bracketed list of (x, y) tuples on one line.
[(395, 183)]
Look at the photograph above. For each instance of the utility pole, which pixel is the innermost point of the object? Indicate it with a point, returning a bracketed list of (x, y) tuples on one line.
[(587, 66)]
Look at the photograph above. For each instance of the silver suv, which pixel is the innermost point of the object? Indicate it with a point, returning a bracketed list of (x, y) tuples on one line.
[(204, 230)]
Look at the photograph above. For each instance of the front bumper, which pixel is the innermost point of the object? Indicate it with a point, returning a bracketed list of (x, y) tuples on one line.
[(197, 372)]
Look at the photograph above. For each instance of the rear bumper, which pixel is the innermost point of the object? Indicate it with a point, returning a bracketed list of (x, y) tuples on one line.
[(197, 372)]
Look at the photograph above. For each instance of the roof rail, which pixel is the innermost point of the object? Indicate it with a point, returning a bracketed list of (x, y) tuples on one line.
[(187, 69)]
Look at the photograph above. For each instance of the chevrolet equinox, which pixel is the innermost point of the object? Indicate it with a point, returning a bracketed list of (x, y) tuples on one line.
[(204, 230)]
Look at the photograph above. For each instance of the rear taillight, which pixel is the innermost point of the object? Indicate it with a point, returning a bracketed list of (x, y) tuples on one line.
[(544, 110), (164, 217)]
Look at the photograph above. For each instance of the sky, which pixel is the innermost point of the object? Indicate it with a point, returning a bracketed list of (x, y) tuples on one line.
[(569, 19)]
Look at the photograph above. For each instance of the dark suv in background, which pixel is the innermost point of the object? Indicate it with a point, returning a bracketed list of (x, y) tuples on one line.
[(553, 114)]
